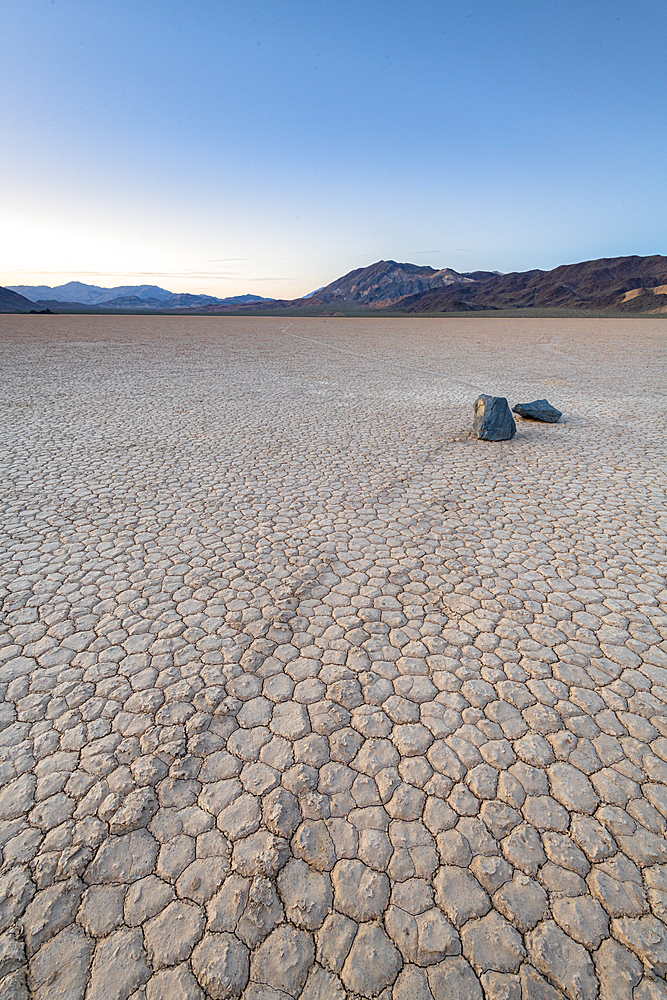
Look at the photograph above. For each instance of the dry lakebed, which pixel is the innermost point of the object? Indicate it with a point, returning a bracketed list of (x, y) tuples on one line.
[(308, 694)]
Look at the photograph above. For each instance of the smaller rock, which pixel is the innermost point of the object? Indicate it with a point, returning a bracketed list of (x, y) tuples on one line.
[(493, 419), (136, 811), (539, 409), (436, 938), (290, 720), (523, 849), (240, 818), (313, 844)]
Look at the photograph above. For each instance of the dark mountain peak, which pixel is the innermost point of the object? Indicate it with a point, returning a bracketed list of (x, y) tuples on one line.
[(386, 281)]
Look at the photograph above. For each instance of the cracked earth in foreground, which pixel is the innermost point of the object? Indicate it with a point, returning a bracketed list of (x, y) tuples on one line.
[(305, 692)]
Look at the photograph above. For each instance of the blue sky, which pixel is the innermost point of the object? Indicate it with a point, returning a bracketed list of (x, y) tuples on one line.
[(269, 147)]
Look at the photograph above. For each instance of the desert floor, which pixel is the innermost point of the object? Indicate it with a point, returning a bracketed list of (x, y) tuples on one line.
[(307, 693)]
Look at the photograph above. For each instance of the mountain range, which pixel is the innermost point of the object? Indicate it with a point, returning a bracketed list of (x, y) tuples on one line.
[(90, 295), (620, 284), (633, 284), (150, 297), (630, 284)]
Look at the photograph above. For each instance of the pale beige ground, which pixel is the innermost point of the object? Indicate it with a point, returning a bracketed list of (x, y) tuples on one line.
[(306, 693)]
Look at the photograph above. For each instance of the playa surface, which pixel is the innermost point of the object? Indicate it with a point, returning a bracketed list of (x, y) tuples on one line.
[(307, 693)]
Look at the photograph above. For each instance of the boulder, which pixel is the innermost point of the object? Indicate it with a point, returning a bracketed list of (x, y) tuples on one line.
[(493, 419), (539, 409)]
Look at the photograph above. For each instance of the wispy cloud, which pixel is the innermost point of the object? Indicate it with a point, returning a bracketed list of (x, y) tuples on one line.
[(229, 259), (203, 275)]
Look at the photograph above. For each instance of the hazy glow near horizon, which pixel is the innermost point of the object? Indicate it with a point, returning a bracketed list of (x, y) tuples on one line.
[(226, 148)]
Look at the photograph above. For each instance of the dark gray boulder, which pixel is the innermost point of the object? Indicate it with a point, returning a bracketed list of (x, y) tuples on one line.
[(493, 419), (539, 409)]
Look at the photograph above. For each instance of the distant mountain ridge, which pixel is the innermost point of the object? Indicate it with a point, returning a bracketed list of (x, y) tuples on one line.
[(123, 296), (90, 295), (631, 284), (173, 301)]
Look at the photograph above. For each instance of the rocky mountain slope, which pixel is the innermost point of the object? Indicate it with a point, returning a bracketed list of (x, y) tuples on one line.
[(386, 281), (633, 284)]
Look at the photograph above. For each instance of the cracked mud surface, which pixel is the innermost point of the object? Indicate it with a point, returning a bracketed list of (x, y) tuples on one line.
[(304, 692)]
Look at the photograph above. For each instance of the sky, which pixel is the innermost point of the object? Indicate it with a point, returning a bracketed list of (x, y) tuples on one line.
[(270, 146)]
